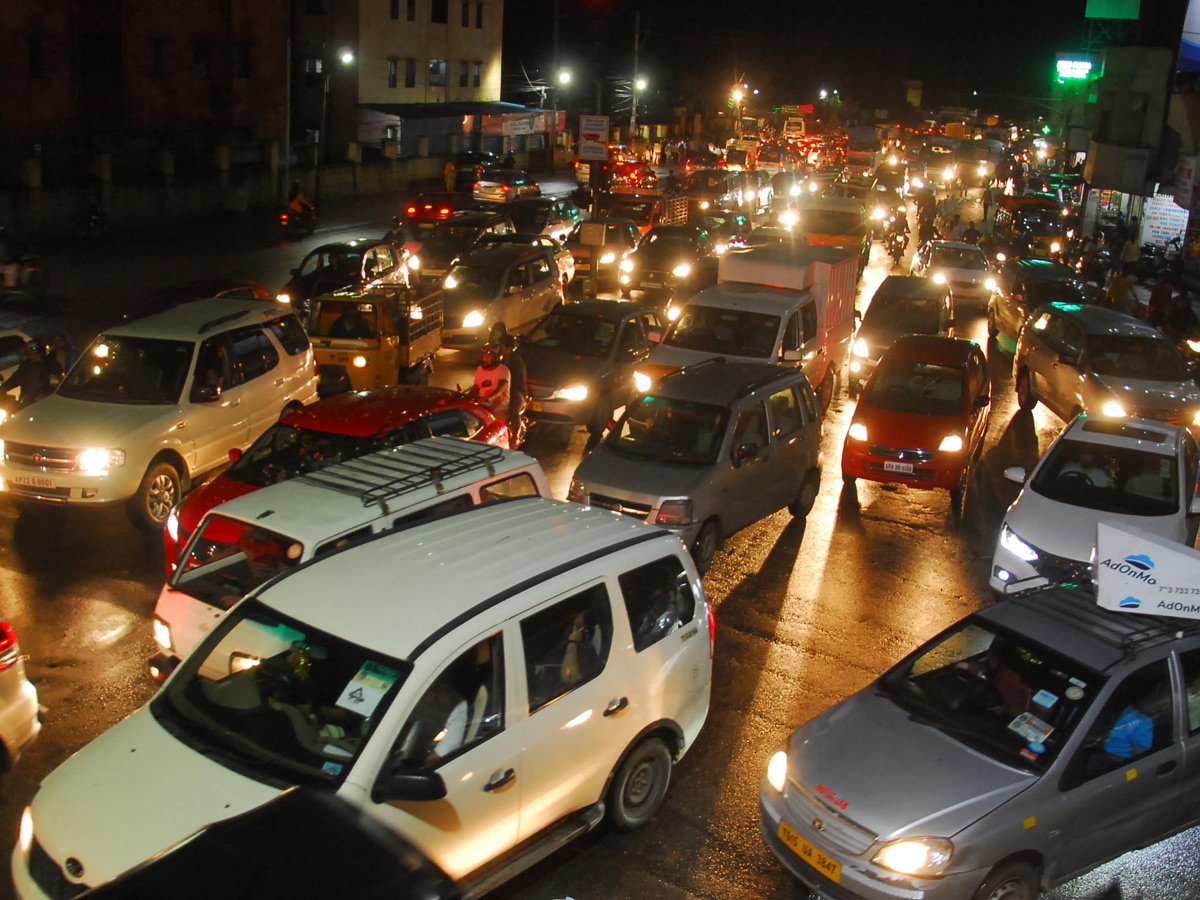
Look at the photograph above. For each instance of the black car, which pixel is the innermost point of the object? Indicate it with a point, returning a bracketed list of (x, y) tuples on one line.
[(580, 358), (471, 164), (452, 238), (727, 228), (669, 260), (1023, 285), (555, 216), (354, 265)]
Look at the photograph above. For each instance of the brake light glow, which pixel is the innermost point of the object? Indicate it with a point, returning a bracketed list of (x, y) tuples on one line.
[(412, 210), (444, 211), (8, 646), (712, 631), (283, 217)]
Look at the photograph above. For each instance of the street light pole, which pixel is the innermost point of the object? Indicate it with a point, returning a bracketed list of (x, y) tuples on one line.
[(637, 24), (321, 133), (554, 87), (287, 122)]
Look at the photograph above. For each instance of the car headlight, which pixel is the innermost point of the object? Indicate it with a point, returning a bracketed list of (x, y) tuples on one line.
[(902, 208), (627, 265), (858, 431), (990, 283), (749, 195), (473, 319), (674, 512), (577, 492), (1195, 422), (1055, 246), (173, 526), (162, 634), (918, 857), (777, 770), (3, 414), (1113, 408), (360, 362), (939, 277), (860, 348), (813, 187), (878, 213), (1014, 545), (704, 204), (414, 262), (794, 190), (1194, 346), (982, 170), (683, 270), (641, 382), (717, 249), (951, 443), (672, 314), (450, 283), (788, 218), (25, 833), (283, 297), (948, 173), (608, 258), (917, 183), (575, 393), (95, 461)]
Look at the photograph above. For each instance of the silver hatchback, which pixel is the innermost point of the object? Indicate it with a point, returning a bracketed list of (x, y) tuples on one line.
[(713, 448), (1023, 746)]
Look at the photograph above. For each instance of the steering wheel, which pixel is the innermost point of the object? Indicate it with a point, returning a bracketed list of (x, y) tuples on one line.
[(1076, 477)]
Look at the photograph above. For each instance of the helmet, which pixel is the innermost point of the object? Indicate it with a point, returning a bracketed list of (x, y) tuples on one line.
[(489, 357)]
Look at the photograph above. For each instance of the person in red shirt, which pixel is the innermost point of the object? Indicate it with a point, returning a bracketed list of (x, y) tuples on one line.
[(1160, 299)]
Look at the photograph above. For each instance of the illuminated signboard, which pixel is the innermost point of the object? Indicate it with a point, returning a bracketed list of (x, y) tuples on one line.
[(1074, 69), (1113, 9)]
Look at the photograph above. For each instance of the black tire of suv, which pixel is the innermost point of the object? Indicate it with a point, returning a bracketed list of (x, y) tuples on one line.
[(640, 785), (159, 491), (993, 330), (707, 543), (806, 496), (1025, 396), (826, 391), (1012, 881)]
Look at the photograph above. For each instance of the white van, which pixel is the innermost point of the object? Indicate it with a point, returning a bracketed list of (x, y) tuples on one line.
[(490, 684), (246, 541), (779, 304)]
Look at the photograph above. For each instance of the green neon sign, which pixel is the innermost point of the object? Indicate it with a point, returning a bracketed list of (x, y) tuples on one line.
[(1074, 69)]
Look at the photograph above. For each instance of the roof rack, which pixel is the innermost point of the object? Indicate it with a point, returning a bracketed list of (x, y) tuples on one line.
[(1126, 631), (381, 477), (221, 320)]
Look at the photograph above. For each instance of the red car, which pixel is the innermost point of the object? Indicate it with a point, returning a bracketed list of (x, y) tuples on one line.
[(334, 430), (922, 416)]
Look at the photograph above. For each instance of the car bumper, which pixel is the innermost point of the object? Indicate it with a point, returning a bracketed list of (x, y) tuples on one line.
[(978, 292), (75, 488), (861, 369), (1020, 574), (943, 471), (858, 879), (464, 337), (606, 273), (559, 412)]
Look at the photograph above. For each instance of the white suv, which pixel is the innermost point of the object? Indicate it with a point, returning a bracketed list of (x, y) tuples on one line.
[(154, 402), (488, 684)]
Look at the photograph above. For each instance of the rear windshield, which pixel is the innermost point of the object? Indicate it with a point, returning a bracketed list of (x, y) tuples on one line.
[(903, 314), (712, 329), (344, 319), (818, 221), (528, 219), (227, 558), (706, 181), (903, 385), (134, 370), (1122, 480)]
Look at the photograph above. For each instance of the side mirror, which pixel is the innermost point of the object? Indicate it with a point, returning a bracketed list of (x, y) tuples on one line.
[(235, 453), (409, 786), (206, 393), (1015, 474), (1194, 506), (514, 289), (654, 337), (981, 402), (791, 356), (743, 452)]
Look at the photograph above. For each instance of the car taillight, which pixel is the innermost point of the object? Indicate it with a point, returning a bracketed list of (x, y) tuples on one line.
[(412, 210), (477, 185), (283, 217), (444, 211), (504, 188), (8, 646), (712, 631)]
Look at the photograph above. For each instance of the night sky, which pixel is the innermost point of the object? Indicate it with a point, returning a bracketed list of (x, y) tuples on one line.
[(791, 49)]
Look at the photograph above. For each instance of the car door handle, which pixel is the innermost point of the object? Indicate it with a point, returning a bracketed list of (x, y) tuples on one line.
[(500, 779), (616, 706), (1166, 768)]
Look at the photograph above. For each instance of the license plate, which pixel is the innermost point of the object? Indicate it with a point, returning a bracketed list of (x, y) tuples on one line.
[(584, 266), (435, 273), (536, 406), (32, 481), (900, 467), (649, 284), (830, 868)]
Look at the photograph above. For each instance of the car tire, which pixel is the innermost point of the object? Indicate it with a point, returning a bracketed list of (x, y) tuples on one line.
[(158, 493), (802, 505), (601, 413), (1026, 399), (825, 392), (640, 785), (706, 545), (957, 495), (1012, 881), (993, 330)]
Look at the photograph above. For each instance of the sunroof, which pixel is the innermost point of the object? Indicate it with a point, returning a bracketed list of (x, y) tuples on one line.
[(1121, 429)]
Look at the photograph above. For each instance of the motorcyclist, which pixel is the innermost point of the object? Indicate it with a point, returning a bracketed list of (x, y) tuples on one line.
[(298, 204), (34, 376), (492, 380), (672, 184), (1181, 321)]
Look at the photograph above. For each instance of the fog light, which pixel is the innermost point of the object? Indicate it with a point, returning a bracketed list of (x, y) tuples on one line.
[(1003, 574), (162, 634)]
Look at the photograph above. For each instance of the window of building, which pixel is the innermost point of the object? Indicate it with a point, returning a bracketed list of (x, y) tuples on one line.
[(437, 73), (463, 74), (411, 11), (466, 13), (242, 59), (391, 73), (410, 72), (395, 9), (201, 59), (478, 15), (313, 65), (37, 59), (476, 74), (439, 11)]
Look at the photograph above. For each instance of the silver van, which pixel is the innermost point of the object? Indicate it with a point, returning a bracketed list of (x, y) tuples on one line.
[(511, 284), (716, 447)]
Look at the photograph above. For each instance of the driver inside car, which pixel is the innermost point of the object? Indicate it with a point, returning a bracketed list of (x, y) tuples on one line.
[(1085, 463)]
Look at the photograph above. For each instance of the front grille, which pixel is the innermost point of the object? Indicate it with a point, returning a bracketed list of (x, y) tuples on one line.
[(904, 454), (624, 507), (538, 391), (48, 876), (915, 475), (35, 456), (839, 830), (1061, 570), (966, 285)]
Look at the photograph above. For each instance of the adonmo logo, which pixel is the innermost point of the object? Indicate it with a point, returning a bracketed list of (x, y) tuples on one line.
[(1137, 566), (1130, 603)]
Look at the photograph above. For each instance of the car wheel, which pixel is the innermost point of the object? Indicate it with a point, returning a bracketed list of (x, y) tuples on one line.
[(601, 413), (825, 394), (807, 496), (1014, 881), (159, 491), (708, 541), (993, 331), (640, 785), (956, 502), (1025, 396)]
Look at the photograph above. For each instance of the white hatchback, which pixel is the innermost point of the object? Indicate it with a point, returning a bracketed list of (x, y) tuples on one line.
[(964, 267), (1130, 471)]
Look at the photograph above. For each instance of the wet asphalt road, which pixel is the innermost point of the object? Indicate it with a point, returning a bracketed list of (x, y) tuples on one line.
[(807, 612)]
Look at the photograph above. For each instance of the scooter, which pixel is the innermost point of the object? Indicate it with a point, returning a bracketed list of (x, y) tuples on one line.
[(897, 243), (292, 222)]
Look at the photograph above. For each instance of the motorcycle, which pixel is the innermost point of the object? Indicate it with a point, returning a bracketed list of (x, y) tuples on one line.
[(298, 223), (897, 243), (21, 275)]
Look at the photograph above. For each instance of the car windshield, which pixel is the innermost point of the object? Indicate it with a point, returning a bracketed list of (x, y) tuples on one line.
[(908, 386), (344, 319), (640, 213), (284, 451), (956, 258), (341, 259), (1054, 291), (820, 221), (1043, 226), (1136, 357), (572, 333), (226, 559), (706, 181), (670, 244), (1112, 479), (902, 314), (474, 280), (669, 430), (999, 693), (530, 218), (120, 369), (452, 235), (732, 332), (279, 700)]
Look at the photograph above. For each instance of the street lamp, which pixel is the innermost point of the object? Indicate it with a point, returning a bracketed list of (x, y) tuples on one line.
[(564, 77), (639, 84), (346, 56), (737, 96), (823, 94)]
